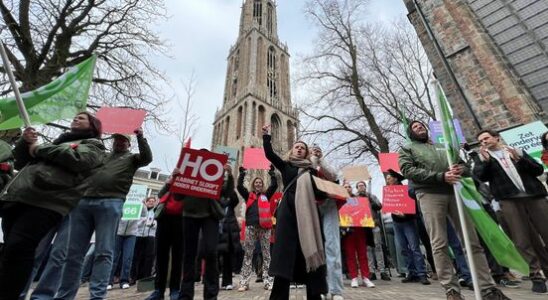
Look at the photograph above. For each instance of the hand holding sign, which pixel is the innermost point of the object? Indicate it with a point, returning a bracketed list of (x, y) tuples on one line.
[(120, 120), (397, 201)]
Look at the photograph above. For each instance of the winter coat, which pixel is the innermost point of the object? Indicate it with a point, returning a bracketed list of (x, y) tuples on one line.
[(252, 212), (6, 164), (229, 240), (147, 224)]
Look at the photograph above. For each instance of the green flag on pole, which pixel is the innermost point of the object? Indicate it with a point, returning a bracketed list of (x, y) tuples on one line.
[(60, 99), (500, 245)]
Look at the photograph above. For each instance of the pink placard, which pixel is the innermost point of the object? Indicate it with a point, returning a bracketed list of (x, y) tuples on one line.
[(120, 120), (254, 158), (396, 200), (389, 161)]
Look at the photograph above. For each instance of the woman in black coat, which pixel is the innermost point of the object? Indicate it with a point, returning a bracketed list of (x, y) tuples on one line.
[(229, 241), (298, 254)]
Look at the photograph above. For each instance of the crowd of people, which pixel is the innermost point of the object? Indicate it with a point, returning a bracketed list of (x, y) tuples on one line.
[(61, 209)]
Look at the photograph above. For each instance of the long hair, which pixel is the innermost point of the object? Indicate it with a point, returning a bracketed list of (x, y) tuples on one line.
[(288, 154), (544, 141), (252, 187), (95, 124)]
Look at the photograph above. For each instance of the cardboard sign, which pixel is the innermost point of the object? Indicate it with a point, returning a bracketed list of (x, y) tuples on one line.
[(356, 213), (120, 120), (356, 173), (201, 174), (232, 154), (134, 202), (332, 189), (254, 158), (527, 138), (389, 161), (436, 132), (395, 199)]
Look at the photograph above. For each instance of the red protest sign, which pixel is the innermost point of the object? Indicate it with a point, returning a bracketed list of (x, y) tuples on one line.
[(120, 120), (254, 158), (389, 161), (201, 174), (356, 213), (395, 199)]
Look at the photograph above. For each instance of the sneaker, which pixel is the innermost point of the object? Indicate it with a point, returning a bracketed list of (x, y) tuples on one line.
[(368, 283), (243, 288), (124, 286), (511, 276), (300, 286), (293, 286), (509, 283), (539, 286), (454, 295), (493, 294), (109, 287), (354, 283), (410, 278), (156, 295), (424, 281), (337, 297), (228, 287), (373, 276), (385, 276)]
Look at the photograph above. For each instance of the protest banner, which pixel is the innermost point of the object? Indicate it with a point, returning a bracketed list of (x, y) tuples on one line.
[(134, 202), (356, 213), (527, 138), (389, 161), (436, 132), (255, 159), (201, 174), (232, 154), (395, 199), (332, 189), (356, 173), (120, 120)]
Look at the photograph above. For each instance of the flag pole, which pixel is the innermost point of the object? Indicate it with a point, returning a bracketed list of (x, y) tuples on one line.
[(460, 209), (22, 109)]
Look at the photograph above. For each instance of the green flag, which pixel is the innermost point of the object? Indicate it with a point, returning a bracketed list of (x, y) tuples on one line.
[(497, 241), (60, 99)]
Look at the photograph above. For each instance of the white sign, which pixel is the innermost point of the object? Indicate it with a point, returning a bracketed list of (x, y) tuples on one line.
[(134, 202)]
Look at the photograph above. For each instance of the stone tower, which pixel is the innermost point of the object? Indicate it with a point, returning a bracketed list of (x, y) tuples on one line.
[(257, 90), (497, 50)]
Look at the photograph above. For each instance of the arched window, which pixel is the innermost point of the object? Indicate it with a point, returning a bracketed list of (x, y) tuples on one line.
[(271, 73), (258, 11), (227, 129), (260, 120), (234, 87), (269, 18), (253, 117), (275, 128), (236, 60), (239, 123), (290, 134), (244, 120)]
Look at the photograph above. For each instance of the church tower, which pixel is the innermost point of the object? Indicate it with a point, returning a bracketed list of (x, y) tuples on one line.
[(257, 88)]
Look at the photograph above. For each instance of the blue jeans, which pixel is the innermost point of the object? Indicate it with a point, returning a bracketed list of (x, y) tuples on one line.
[(330, 219), (92, 214), (454, 242), (51, 277), (408, 236), (125, 245)]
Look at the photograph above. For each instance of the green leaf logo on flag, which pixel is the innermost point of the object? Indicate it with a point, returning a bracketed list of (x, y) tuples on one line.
[(60, 99)]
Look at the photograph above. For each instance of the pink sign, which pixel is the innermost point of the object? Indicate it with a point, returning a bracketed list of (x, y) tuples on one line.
[(254, 158), (120, 120), (396, 200), (389, 161)]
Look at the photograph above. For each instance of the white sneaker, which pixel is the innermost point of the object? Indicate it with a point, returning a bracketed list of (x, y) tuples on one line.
[(109, 287), (368, 283), (354, 283), (337, 297), (293, 286), (125, 286), (229, 287), (300, 286)]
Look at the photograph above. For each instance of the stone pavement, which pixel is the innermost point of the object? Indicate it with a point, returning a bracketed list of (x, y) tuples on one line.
[(385, 290)]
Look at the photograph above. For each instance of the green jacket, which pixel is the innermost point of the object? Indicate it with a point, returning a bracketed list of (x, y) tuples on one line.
[(56, 177), (115, 177), (6, 159), (424, 164)]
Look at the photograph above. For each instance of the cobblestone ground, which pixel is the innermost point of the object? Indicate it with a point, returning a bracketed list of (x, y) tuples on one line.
[(385, 290)]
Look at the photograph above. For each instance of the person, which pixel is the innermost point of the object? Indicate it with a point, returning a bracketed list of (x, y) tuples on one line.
[(6, 163), (298, 254), (169, 242), (229, 241), (51, 180), (258, 225), (427, 167), (512, 176), (329, 213), (544, 142), (143, 258), (99, 210), (407, 234), (202, 215)]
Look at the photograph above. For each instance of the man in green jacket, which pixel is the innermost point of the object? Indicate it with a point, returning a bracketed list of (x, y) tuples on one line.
[(425, 164), (100, 210)]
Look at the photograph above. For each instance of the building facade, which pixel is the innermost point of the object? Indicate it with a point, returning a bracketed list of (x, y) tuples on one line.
[(257, 87), (497, 52)]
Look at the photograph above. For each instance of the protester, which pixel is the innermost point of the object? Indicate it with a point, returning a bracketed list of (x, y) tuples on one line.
[(355, 247), (100, 210), (229, 241), (51, 181), (202, 215), (433, 178), (512, 176), (258, 225), (6, 163), (169, 242), (298, 254), (544, 156), (143, 258), (407, 234)]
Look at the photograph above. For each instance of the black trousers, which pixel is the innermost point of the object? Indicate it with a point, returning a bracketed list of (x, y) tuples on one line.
[(227, 258), (169, 242), (210, 238), (143, 258), (24, 227), (280, 290)]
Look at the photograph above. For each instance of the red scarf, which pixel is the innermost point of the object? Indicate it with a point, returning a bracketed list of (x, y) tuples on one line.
[(172, 206), (265, 215)]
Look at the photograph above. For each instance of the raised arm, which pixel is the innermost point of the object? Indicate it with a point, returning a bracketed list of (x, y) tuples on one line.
[(277, 161), (145, 154), (240, 187)]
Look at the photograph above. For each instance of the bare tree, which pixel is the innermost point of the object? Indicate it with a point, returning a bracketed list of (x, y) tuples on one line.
[(45, 37), (363, 77), (188, 124)]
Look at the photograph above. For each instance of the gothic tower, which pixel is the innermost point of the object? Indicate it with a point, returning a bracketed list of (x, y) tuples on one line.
[(257, 90)]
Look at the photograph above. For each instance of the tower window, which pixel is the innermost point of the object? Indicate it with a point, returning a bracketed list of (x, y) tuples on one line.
[(258, 12), (271, 73), (269, 18)]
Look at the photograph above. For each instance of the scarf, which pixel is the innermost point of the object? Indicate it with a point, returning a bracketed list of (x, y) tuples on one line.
[(308, 220), (508, 166), (74, 136)]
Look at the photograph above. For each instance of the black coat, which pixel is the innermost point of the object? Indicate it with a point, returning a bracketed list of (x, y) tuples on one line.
[(287, 257), (229, 240)]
